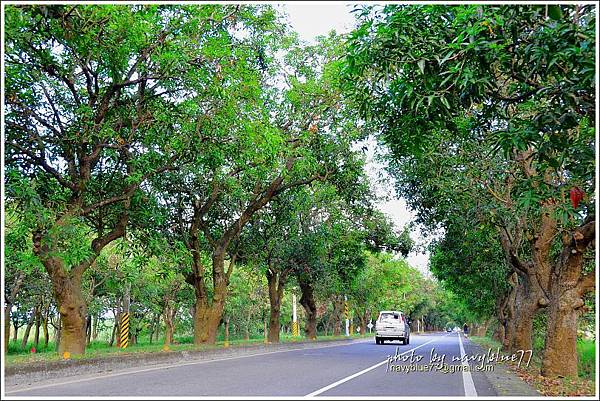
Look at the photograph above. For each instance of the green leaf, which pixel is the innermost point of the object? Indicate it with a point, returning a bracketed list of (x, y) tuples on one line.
[(555, 12)]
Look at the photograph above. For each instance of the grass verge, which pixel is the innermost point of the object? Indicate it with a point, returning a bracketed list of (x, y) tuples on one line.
[(18, 355)]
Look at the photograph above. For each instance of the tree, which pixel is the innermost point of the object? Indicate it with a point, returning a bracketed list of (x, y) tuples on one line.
[(169, 285), (22, 267), (261, 141), (518, 83), (471, 265), (247, 302), (93, 111), (263, 247)]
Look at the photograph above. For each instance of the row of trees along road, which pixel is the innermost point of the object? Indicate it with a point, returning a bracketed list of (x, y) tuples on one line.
[(162, 146), (489, 115)]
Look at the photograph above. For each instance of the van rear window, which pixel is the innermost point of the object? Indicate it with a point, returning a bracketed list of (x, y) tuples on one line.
[(389, 316)]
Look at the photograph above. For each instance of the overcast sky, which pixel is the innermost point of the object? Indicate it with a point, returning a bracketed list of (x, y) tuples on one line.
[(311, 20)]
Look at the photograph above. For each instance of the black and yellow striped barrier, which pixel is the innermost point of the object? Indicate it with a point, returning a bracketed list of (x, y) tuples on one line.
[(295, 331), (124, 332), (346, 310)]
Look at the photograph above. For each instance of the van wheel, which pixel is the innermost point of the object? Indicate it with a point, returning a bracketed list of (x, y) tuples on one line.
[(408, 340), (377, 341)]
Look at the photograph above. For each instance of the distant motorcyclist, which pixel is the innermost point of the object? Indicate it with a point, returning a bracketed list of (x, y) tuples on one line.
[(466, 329)]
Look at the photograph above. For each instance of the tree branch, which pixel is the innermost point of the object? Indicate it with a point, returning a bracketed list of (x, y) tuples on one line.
[(100, 242), (511, 257), (129, 192), (587, 283), (43, 164), (15, 288)]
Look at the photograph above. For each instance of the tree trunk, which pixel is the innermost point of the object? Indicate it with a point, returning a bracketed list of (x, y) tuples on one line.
[(112, 335), (509, 316), (118, 331), (152, 327), (207, 314), (7, 324), (567, 287), (560, 348), (133, 332), (365, 321), (46, 333), (28, 328), (157, 333), (57, 336), (521, 327), (307, 301), (208, 317), (66, 288), (265, 330), (9, 300), (338, 307), (499, 333), (361, 322), (483, 327), (501, 321), (169, 318), (247, 327), (88, 329), (526, 299), (38, 323), (95, 327), (72, 309), (276, 284), (15, 332), (72, 334)]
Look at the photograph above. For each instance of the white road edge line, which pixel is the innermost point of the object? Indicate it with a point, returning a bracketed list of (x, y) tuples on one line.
[(466, 373), (175, 365), (344, 380)]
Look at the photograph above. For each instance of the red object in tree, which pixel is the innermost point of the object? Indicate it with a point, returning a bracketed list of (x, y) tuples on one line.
[(576, 194), (33, 350)]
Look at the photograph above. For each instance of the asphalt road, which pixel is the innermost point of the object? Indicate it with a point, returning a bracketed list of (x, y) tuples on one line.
[(358, 369)]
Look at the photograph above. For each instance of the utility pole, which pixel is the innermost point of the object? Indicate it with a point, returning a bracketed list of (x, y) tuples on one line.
[(347, 317)]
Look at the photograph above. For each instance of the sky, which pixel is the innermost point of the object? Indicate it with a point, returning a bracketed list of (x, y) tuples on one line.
[(312, 20)]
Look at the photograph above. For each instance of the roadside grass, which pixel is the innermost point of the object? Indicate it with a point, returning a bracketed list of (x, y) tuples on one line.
[(18, 355), (586, 351), (583, 385)]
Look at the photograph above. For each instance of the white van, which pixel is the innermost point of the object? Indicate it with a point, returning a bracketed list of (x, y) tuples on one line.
[(392, 325)]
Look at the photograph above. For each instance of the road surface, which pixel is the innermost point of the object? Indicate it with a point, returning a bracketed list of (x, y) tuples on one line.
[(361, 368)]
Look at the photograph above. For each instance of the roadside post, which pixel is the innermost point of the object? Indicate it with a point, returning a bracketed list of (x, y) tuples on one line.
[(226, 342), (124, 328), (294, 317), (370, 326), (124, 332), (347, 316)]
